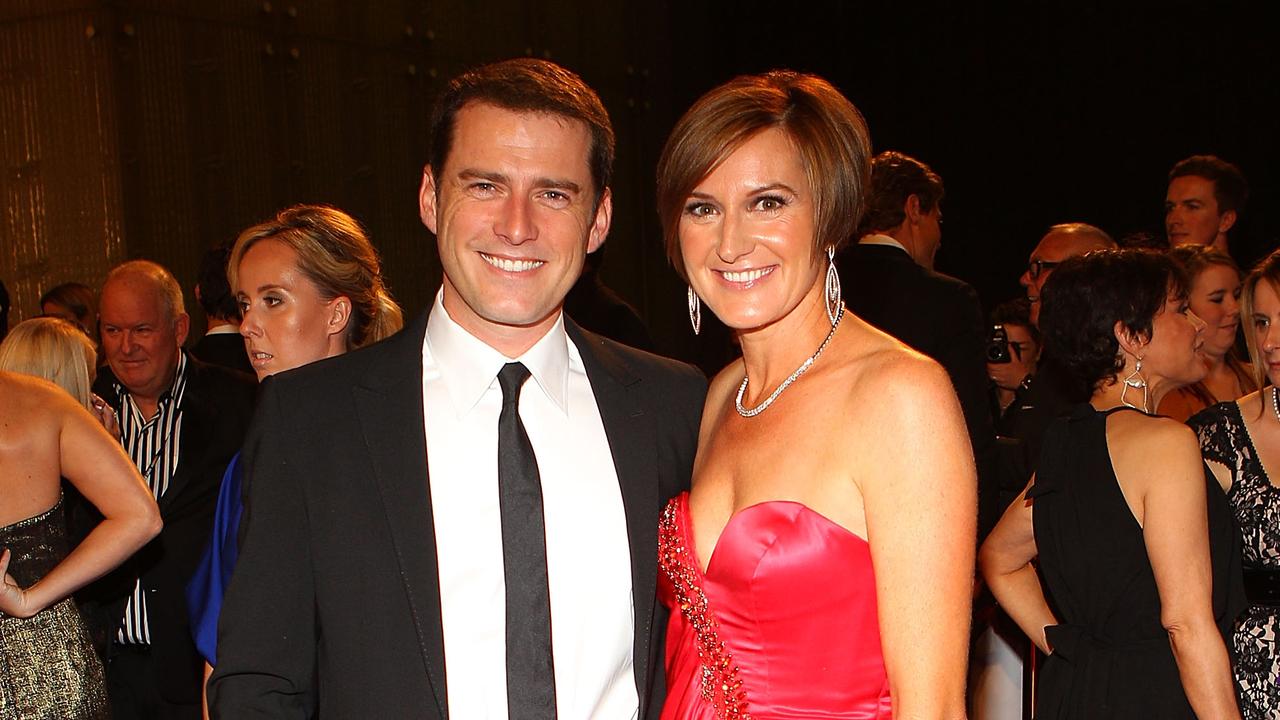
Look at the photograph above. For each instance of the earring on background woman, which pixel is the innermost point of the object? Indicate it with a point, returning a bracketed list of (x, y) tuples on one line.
[(833, 287), (1135, 380), (695, 311)]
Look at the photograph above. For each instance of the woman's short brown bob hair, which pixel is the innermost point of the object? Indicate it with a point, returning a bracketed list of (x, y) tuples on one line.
[(827, 130)]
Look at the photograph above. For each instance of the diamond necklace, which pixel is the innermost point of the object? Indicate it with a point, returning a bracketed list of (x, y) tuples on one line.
[(744, 412), (1275, 400)]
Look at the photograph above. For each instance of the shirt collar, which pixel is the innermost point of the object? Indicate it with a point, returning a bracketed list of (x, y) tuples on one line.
[(878, 239), (174, 391), (468, 367)]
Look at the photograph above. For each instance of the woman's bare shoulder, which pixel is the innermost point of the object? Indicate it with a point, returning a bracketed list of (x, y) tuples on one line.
[(1158, 445), (31, 396), (883, 366)]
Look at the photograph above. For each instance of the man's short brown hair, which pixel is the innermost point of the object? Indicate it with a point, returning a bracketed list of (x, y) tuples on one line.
[(526, 85)]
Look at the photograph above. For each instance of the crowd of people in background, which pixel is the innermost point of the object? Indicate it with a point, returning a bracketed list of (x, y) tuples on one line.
[(1086, 466)]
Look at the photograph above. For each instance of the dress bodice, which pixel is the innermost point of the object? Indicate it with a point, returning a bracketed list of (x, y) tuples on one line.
[(48, 668), (1254, 499), (782, 624), (36, 544)]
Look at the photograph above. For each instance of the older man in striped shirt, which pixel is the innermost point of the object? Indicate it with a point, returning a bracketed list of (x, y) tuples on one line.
[(181, 421)]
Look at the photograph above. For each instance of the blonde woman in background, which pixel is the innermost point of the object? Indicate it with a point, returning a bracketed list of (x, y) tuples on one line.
[(1240, 441), (309, 285), (46, 657), (1215, 299)]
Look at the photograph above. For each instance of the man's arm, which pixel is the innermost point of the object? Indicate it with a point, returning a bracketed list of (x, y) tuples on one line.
[(267, 634)]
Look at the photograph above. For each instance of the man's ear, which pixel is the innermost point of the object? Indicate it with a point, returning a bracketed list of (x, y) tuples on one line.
[(339, 315), (1226, 221), (182, 327), (427, 199), (600, 225), (912, 209)]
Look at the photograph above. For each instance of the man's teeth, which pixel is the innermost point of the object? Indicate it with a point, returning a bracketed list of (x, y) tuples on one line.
[(746, 275), (512, 265), (261, 356)]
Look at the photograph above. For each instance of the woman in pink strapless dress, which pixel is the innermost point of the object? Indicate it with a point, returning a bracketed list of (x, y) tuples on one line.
[(822, 564)]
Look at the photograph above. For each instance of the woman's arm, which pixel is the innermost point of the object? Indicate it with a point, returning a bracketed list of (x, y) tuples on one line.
[(920, 499), (1175, 529), (1005, 561), (95, 463)]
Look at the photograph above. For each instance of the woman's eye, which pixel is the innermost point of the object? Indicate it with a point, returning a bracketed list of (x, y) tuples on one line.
[(698, 209), (770, 203)]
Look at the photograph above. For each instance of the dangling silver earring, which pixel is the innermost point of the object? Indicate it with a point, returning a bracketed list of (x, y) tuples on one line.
[(1135, 380), (833, 288), (695, 311)]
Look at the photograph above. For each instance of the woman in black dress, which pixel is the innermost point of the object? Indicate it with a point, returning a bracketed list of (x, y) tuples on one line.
[(1135, 540), (1241, 442)]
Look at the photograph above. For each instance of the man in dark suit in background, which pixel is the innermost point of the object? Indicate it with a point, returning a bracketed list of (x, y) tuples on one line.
[(389, 567), (221, 343), (181, 421), (889, 281)]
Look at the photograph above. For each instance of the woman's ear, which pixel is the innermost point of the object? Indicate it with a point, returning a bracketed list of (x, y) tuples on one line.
[(1131, 342), (339, 314)]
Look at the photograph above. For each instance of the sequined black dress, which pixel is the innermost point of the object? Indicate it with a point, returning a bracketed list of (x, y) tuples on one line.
[(48, 667), (1256, 502)]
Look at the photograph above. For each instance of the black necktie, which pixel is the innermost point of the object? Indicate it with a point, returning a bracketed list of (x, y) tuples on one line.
[(531, 687)]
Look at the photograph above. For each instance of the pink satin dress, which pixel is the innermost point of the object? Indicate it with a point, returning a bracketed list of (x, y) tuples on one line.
[(782, 624)]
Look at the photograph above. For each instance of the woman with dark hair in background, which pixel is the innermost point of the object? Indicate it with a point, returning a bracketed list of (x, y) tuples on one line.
[(73, 302), (1135, 540), (309, 284), (49, 667), (1215, 299), (1241, 441), (813, 570)]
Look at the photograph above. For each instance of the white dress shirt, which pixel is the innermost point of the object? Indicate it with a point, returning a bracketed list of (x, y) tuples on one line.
[(878, 239), (588, 555)]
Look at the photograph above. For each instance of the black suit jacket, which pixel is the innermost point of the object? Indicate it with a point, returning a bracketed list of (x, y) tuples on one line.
[(225, 349), (217, 407), (938, 316), (335, 603)]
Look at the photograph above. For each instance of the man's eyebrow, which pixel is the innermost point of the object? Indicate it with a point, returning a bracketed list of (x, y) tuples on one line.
[(558, 184), (487, 175)]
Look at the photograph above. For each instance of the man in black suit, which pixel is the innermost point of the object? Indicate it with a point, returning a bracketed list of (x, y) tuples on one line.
[(221, 343), (181, 421), (889, 281), (383, 572)]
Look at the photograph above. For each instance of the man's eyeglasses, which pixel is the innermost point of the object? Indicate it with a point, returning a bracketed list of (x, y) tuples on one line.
[(1036, 267)]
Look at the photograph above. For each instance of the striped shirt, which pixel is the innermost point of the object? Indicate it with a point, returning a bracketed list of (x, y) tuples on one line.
[(154, 446)]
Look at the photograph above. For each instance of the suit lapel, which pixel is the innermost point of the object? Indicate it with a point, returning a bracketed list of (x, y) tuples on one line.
[(632, 444), (389, 409), (194, 438)]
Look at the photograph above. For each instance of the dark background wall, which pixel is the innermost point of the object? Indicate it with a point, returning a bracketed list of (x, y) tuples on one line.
[(153, 128)]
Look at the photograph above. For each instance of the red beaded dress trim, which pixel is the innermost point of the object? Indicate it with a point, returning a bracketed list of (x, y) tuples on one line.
[(720, 684)]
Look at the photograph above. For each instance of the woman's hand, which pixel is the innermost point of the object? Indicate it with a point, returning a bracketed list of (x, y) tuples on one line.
[(14, 601), (106, 415)]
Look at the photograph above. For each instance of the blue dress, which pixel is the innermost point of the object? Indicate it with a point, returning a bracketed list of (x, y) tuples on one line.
[(209, 583)]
